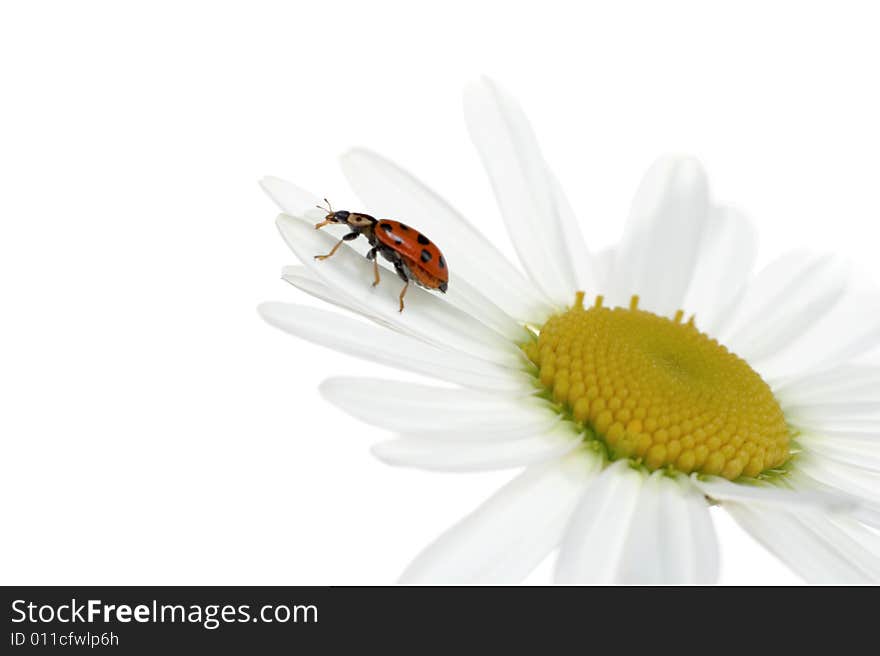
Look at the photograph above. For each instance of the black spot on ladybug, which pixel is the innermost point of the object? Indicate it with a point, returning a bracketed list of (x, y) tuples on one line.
[(426, 255), (404, 227), (424, 241), (386, 227), (397, 240), (442, 263)]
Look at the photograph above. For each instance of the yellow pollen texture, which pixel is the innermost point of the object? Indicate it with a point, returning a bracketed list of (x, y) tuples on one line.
[(659, 391)]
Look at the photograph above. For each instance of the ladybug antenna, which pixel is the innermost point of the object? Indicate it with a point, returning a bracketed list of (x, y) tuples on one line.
[(329, 207)]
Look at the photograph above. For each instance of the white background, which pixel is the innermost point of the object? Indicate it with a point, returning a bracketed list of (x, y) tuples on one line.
[(154, 430)]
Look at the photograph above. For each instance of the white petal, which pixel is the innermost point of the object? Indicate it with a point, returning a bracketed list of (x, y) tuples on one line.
[(868, 510), (855, 543), (593, 546), (671, 539), (505, 538), (764, 494), (807, 542), (573, 242), (842, 384), (706, 565), (373, 343), (663, 534), (661, 242), (846, 438), (852, 328), (426, 315), (861, 535), (424, 409), (472, 301), (783, 302), (479, 455), (856, 482), (856, 427), (301, 278), (724, 264), (770, 287), (826, 414), (845, 331), (603, 263), (389, 191), (291, 199), (543, 230), (862, 454)]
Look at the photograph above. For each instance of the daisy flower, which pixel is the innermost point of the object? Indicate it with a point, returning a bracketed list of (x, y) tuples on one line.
[(636, 387)]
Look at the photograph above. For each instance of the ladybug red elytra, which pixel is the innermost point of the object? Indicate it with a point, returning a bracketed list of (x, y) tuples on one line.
[(414, 256)]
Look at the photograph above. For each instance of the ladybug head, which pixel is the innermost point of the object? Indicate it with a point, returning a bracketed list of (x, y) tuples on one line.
[(353, 219), (333, 217), (358, 221), (338, 217)]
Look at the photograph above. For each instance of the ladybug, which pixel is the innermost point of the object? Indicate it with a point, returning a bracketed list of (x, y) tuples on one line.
[(415, 257)]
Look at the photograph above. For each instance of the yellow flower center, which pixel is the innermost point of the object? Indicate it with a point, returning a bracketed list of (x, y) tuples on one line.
[(660, 392)]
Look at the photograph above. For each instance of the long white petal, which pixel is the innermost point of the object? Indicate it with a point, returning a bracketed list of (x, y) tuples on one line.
[(868, 511), (426, 409), (860, 454), (373, 343), (506, 537), (592, 550), (723, 490), (842, 384), (426, 315), (671, 539), (603, 263), (806, 542), (846, 330), (855, 543), (859, 441), (828, 413), (770, 287), (472, 300), (839, 404), (663, 533), (706, 565), (725, 261), (852, 329), (292, 199), (301, 278), (478, 455), (543, 230), (783, 302), (661, 242), (573, 243), (389, 191), (853, 481)]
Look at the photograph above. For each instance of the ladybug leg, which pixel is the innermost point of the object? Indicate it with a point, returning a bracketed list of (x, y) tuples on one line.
[(371, 255), (402, 273), (402, 294), (348, 237)]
